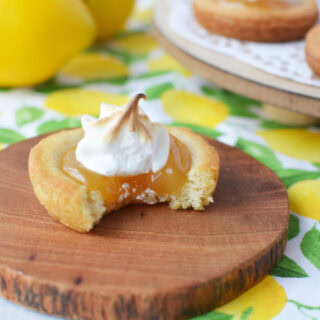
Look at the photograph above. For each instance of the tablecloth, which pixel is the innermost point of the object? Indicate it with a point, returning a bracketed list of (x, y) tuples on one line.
[(134, 62)]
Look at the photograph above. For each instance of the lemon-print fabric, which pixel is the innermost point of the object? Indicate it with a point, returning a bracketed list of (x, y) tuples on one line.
[(132, 62)]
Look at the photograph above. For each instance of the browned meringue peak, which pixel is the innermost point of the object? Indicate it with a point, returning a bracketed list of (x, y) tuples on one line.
[(131, 115)]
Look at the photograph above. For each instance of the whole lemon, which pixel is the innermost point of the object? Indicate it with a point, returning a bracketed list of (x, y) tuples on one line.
[(110, 15), (38, 37)]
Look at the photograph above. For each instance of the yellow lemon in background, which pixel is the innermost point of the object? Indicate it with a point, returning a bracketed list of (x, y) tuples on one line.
[(265, 300), (110, 15), (38, 37), (188, 107), (304, 198), (137, 43), (74, 102), (166, 62), (91, 66), (296, 143)]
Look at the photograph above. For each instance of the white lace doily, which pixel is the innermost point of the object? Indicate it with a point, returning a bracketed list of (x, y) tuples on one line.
[(285, 60)]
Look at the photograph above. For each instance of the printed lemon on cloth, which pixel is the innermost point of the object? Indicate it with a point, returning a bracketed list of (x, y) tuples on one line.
[(167, 63), (143, 16), (94, 66), (74, 102), (188, 107), (38, 37), (110, 15), (304, 198), (136, 43), (262, 302), (296, 143)]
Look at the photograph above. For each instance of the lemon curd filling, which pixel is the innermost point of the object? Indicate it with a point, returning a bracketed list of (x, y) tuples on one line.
[(117, 189), (261, 4)]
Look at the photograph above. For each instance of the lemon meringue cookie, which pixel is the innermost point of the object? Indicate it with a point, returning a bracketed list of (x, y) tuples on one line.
[(121, 158)]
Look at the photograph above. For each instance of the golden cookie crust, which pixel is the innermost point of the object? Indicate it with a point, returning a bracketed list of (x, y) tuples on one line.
[(70, 202), (253, 24), (313, 49)]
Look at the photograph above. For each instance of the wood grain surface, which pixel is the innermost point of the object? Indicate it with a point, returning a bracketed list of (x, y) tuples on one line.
[(232, 74), (141, 262)]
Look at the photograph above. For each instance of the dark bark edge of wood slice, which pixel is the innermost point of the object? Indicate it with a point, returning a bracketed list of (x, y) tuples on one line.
[(195, 261)]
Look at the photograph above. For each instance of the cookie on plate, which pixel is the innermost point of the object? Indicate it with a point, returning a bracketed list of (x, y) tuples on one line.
[(259, 20)]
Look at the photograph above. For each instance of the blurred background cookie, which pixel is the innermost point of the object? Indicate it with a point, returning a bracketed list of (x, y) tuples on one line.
[(259, 20), (313, 49)]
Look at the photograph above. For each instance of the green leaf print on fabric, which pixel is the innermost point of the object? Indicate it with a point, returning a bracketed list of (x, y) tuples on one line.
[(54, 125), (289, 269), (199, 129), (261, 153), (8, 136), (152, 74), (316, 165), (5, 89), (126, 57), (246, 313), (310, 246), (269, 124), (156, 91), (214, 315), (27, 115), (291, 176), (294, 227), (53, 85), (128, 32), (238, 105), (119, 81)]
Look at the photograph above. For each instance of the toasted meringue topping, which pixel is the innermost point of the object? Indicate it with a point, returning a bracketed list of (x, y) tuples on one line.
[(123, 141)]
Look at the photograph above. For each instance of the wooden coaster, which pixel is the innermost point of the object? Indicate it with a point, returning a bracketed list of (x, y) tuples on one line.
[(233, 74), (141, 262)]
